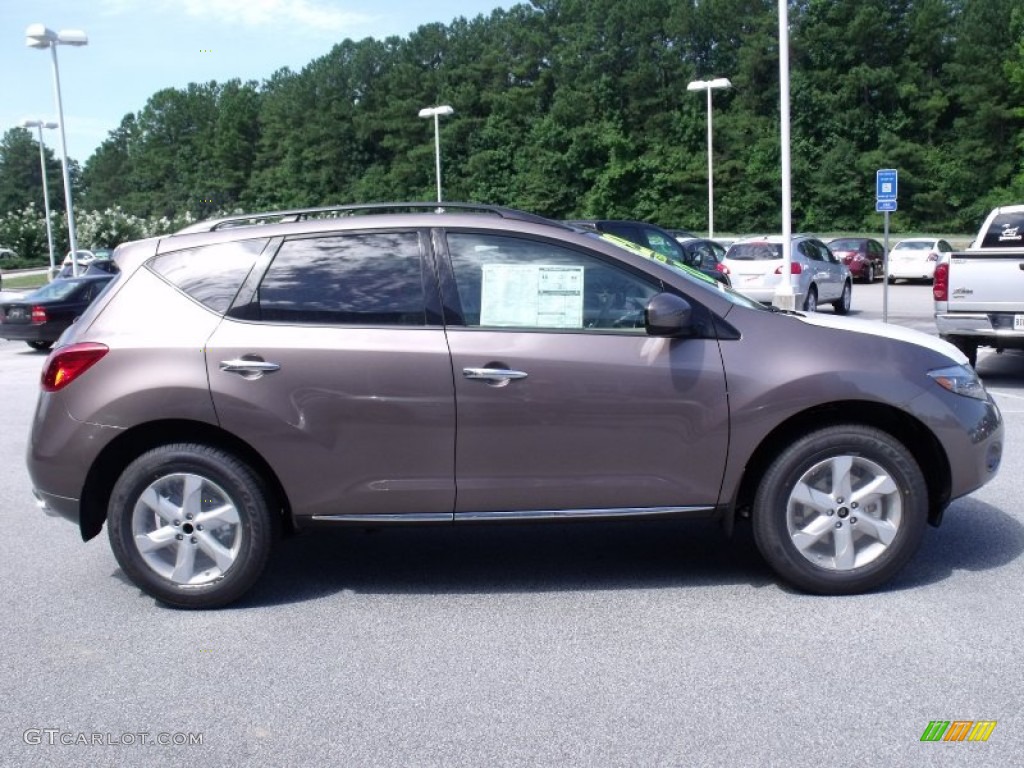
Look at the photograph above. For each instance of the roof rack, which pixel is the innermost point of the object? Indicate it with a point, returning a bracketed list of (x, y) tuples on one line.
[(339, 211)]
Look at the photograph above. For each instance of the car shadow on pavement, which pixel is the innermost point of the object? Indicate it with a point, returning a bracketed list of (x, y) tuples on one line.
[(499, 559), (996, 368), (974, 536)]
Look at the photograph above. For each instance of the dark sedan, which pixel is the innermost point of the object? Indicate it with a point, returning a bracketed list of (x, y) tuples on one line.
[(41, 317), (865, 257), (653, 237)]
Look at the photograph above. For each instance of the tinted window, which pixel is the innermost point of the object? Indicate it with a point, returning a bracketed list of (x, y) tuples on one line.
[(663, 244), (510, 282), (210, 274), (846, 245), (755, 252), (361, 279), (58, 290), (1007, 231), (914, 245)]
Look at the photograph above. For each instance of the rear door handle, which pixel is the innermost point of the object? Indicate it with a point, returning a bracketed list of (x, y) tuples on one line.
[(248, 369)]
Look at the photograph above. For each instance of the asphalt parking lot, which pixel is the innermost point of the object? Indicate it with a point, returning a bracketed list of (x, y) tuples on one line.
[(563, 645)]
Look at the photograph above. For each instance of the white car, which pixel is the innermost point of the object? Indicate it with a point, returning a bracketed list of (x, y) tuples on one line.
[(915, 258), (82, 256), (754, 265)]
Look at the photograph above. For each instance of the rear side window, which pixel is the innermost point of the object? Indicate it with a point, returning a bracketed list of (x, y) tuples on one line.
[(357, 279), (210, 274), (1007, 231)]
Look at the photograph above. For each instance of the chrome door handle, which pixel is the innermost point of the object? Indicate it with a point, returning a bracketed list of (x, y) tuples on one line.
[(493, 375), (248, 369)]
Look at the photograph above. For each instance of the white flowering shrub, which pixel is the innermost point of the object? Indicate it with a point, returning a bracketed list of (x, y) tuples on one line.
[(24, 231), (109, 228)]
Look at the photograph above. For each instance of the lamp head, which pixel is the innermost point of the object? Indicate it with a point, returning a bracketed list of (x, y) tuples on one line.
[(39, 36)]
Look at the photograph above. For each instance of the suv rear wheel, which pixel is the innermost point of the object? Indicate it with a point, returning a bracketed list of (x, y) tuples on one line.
[(842, 305), (811, 302), (841, 510), (190, 525)]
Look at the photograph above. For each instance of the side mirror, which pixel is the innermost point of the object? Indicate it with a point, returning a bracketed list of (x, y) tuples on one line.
[(667, 315)]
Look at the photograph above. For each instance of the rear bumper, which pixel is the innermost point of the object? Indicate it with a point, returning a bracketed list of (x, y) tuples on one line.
[(17, 332), (995, 326)]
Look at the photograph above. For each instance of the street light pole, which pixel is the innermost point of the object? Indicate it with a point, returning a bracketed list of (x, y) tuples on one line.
[(710, 85), (40, 36), (46, 189), (436, 112), (785, 296)]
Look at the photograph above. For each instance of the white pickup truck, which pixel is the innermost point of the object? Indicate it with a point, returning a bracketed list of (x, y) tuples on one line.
[(979, 293)]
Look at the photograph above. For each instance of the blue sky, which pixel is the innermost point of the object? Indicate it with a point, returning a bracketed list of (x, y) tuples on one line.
[(137, 47)]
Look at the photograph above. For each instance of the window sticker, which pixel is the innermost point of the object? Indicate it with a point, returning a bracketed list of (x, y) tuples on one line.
[(532, 296)]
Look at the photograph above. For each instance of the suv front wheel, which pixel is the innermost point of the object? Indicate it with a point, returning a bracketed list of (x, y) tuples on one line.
[(190, 525), (840, 510)]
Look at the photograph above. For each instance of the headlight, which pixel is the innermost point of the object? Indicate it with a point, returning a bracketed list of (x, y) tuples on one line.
[(960, 380)]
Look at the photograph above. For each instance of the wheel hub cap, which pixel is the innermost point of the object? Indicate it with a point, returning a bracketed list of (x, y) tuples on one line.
[(844, 512), (187, 529)]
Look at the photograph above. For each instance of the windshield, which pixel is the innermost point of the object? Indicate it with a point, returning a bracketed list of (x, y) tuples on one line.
[(845, 245), (915, 245)]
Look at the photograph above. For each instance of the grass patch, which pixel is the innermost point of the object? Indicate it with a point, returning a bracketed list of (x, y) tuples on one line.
[(23, 282)]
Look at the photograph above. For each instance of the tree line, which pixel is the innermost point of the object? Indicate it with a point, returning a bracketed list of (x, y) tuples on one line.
[(579, 108)]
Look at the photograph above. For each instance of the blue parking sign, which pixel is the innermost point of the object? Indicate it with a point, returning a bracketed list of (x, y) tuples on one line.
[(885, 184)]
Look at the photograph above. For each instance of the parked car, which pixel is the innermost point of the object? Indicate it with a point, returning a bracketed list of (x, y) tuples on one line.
[(755, 266), (915, 258), (864, 257), (289, 371), (7, 253), (40, 317), (653, 237), (83, 257), (704, 253)]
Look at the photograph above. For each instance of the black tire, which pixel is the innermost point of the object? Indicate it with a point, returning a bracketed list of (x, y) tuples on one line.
[(842, 306), (40, 346), (811, 300), (222, 559), (870, 277), (831, 559)]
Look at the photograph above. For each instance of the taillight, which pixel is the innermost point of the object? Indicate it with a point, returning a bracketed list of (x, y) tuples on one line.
[(795, 268), (68, 363), (720, 267), (38, 315), (940, 285)]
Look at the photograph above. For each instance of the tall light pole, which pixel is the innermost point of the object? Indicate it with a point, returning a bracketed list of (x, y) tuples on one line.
[(710, 85), (40, 36), (436, 112), (46, 189), (785, 296)]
